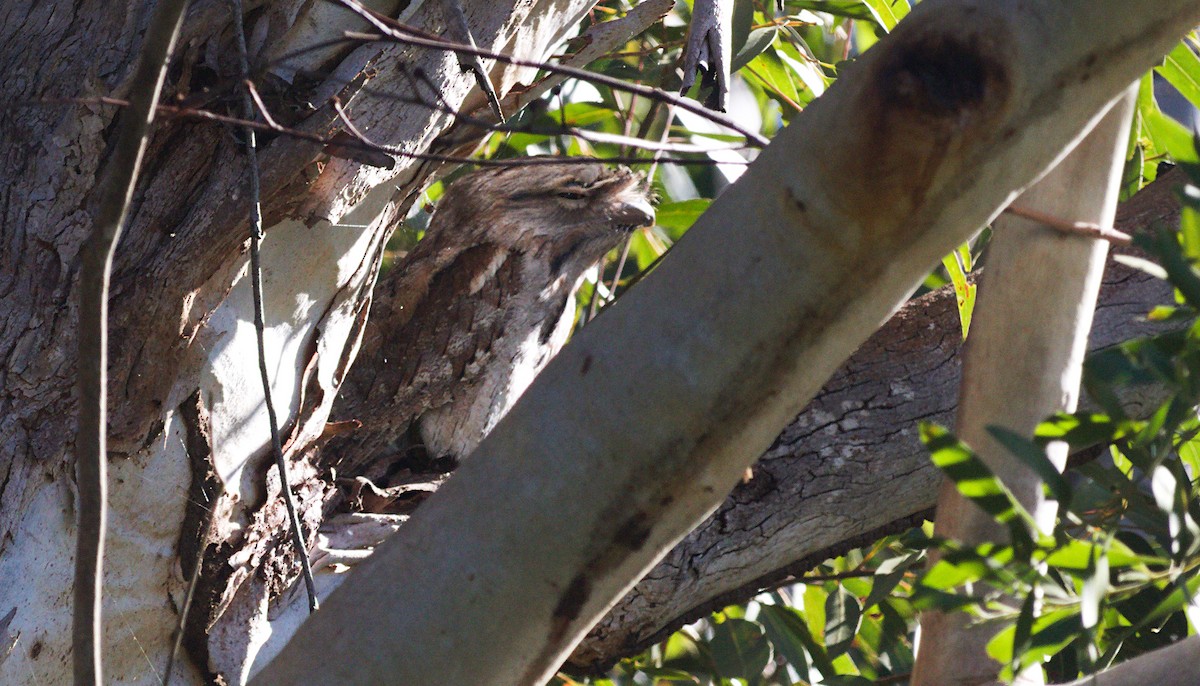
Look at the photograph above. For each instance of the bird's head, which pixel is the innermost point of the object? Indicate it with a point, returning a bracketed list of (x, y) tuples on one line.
[(569, 214)]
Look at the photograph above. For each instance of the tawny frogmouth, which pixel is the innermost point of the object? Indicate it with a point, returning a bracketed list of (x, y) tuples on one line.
[(460, 327)]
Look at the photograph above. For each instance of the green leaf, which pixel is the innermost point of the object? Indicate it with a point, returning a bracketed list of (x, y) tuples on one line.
[(1078, 555), (847, 680), (770, 71), (887, 13), (742, 20), (1181, 69), (789, 633), (978, 484), (957, 264), (783, 626), (1023, 628), (889, 574), (1141, 264), (1095, 588), (1165, 246), (1079, 430), (1033, 456), (843, 616), (853, 9), (757, 43), (1189, 222), (962, 564), (678, 217), (740, 649), (1179, 596), (1164, 134), (814, 609), (672, 675), (1049, 634)]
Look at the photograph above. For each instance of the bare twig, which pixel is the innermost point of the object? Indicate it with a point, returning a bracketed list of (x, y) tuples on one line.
[(420, 78), (172, 111), (599, 42), (120, 178), (472, 63), (1085, 229), (256, 236)]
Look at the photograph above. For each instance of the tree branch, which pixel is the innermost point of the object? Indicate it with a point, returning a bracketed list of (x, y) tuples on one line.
[(938, 127), (850, 468), (1041, 286), (1174, 665)]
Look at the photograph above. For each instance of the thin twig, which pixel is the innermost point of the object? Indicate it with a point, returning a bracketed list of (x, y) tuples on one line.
[(172, 111), (1085, 229), (256, 236), (91, 443), (612, 288), (473, 63), (391, 30), (420, 78), (362, 141)]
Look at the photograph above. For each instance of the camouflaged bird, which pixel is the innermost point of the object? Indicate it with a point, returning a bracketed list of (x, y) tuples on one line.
[(462, 325)]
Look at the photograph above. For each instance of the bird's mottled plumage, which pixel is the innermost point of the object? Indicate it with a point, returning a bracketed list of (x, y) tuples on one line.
[(466, 320)]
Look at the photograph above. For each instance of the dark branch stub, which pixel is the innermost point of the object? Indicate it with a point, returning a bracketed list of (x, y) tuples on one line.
[(707, 50)]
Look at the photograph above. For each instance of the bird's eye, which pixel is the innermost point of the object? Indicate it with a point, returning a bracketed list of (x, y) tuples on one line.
[(571, 195)]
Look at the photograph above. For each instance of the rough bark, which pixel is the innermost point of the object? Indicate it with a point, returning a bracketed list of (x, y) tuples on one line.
[(191, 444), (940, 130), (180, 300)]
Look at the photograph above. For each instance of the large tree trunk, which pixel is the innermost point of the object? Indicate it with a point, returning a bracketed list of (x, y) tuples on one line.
[(187, 427)]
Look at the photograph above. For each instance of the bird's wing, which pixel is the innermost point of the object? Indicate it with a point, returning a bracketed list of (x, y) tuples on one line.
[(429, 334)]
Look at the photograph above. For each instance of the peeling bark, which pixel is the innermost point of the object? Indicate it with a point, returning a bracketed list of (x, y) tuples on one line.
[(708, 48), (180, 300)]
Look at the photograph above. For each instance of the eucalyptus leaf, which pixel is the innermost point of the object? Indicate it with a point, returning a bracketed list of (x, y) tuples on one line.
[(843, 616)]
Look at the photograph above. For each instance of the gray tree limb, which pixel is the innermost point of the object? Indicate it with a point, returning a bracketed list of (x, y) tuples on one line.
[(850, 468), (1040, 288)]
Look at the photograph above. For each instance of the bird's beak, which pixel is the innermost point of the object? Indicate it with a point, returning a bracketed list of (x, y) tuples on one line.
[(634, 212)]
